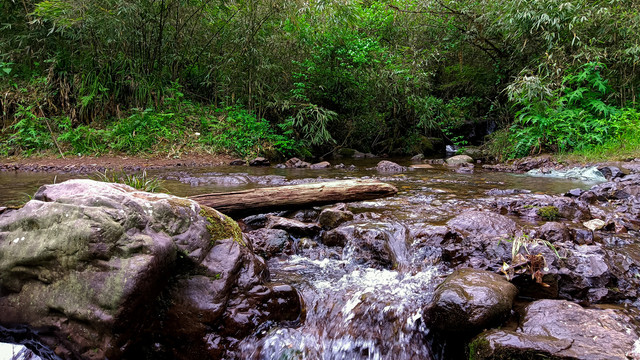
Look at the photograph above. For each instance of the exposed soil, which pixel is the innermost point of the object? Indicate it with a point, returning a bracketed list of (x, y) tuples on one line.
[(87, 164)]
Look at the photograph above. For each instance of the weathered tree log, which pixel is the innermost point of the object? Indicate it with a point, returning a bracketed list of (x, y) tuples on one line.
[(262, 200)]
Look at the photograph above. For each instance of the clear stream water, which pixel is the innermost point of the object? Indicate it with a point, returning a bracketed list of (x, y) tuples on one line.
[(352, 311)]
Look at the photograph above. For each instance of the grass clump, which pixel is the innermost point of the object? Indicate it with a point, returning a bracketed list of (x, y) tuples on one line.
[(142, 182)]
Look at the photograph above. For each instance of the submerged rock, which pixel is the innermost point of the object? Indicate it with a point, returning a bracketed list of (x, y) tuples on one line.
[(470, 300), (95, 264), (377, 245), (561, 330)]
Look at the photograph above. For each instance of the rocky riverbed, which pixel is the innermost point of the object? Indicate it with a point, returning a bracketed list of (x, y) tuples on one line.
[(458, 265)]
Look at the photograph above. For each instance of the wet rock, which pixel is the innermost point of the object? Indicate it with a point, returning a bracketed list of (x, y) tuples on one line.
[(585, 275), (505, 192), (321, 165), (306, 215), (459, 160), (333, 217), (238, 162), (295, 163), (556, 329), (584, 174), (611, 172), (261, 303), (337, 237), (530, 205), (525, 164), (293, 227), (95, 264), (483, 223), (270, 242), (259, 161), (583, 236), (620, 189), (417, 158), (386, 166), (464, 169), (254, 222), (470, 300), (554, 232), (377, 245), (574, 193)]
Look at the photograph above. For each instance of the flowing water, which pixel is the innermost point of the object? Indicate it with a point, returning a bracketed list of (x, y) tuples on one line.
[(352, 310)]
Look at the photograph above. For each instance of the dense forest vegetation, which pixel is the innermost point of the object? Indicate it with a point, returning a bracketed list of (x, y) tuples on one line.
[(283, 78)]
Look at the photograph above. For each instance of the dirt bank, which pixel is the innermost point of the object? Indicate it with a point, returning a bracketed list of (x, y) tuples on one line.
[(87, 164)]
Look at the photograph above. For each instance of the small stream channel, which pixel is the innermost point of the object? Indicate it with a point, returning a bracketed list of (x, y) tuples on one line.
[(352, 311)]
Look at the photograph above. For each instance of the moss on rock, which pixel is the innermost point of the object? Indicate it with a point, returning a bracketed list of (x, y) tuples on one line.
[(221, 226)]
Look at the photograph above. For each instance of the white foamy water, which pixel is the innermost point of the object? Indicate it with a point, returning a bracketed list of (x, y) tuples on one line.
[(352, 313)]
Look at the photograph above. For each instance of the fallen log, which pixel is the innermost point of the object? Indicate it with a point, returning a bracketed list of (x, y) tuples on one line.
[(263, 200)]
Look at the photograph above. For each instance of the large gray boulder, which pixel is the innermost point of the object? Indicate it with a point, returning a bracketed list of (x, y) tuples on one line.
[(470, 300), (92, 263), (459, 160), (558, 329)]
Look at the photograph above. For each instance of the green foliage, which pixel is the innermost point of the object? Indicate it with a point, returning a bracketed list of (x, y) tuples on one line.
[(144, 130), (30, 132), (574, 117), (371, 75), (239, 131)]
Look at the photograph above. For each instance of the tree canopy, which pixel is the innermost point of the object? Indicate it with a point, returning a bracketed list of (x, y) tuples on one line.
[(287, 78)]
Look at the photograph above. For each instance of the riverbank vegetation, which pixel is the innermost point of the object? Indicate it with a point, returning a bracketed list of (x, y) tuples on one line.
[(307, 77)]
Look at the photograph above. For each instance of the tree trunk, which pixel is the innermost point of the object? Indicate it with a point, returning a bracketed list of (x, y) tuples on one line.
[(263, 200)]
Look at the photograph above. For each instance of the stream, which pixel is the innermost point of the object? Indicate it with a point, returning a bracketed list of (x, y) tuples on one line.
[(353, 310)]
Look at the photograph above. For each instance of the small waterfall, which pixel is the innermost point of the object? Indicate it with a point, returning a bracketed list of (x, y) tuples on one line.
[(353, 312)]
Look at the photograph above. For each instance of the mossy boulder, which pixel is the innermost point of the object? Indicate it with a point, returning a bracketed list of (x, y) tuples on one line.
[(88, 261)]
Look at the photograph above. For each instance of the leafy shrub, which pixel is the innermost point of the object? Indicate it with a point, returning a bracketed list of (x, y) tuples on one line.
[(239, 131), (83, 139), (144, 130), (31, 132), (574, 117)]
